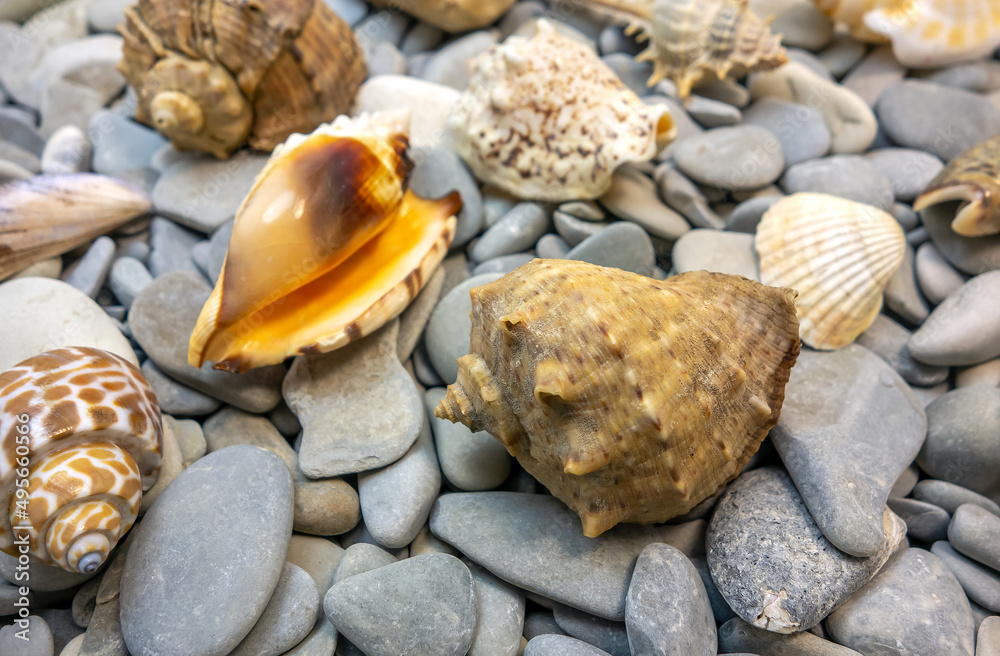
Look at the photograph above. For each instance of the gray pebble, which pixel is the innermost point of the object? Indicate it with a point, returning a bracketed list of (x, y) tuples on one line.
[(743, 157), (288, 617), (35, 639), (438, 172), (503, 264), (905, 216), (382, 26), (384, 59), (469, 461), (351, 11), (905, 483), (423, 369), (746, 215), (89, 273), (712, 113), (449, 65), (121, 144), (425, 604), (908, 171), (18, 128), (176, 398), (685, 197), (360, 558), (414, 318), (229, 515), (914, 604), (975, 532), (448, 330), (988, 638), (810, 61), (972, 255), (965, 328), (936, 277), (847, 176), (799, 129), (924, 521), (518, 230), (793, 579), (551, 247), (716, 250), (633, 197), (66, 151), (421, 37), (496, 203), (842, 54), (736, 635), (574, 230), (558, 645), (606, 635), (950, 496), (632, 73), (877, 72), (19, 157), (887, 339), (978, 76), (725, 91), (536, 624), (901, 293), (500, 612), (622, 245), (127, 279), (170, 247), (981, 584)]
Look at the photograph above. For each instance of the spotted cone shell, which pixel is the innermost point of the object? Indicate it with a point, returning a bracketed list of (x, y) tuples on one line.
[(974, 178), (630, 399), (837, 254), (82, 439)]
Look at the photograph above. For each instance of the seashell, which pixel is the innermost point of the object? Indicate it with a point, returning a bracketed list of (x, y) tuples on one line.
[(327, 247), (630, 399), (211, 75), (691, 40), (48, 215), (451, 15), (82, 441), (924, 33), (837, 254), (544, 118), (973, 177)]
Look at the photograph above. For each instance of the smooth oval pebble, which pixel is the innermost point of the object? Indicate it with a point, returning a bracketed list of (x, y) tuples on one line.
[(606, 635), (972, 255), (914, 604), (981, 584), (438, 172), (887, 339), (908, 171), (226, 519), (736, 635), (878, 71), (800, 129), (975, 533), (519, 229), (716, 250), (559, 645), (469, 461), (965, 328), (552, 247), (950, 496), (66, 151), (621, 245), (936, 277), (847, 176), (743, 157), (500, 613), (633, 197), (359, 558), (924, 521), (33, 640), (448, 330), (289, 615)]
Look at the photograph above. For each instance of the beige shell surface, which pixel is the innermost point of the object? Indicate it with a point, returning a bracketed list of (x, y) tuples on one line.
[(451, 15), (327, 247), (630, 399), (837, 254), (924, 33), (48, 215), (972, 177), (544, 118), (211, 75)]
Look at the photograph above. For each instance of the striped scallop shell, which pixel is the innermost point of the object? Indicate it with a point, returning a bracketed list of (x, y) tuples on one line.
[(839, 256)]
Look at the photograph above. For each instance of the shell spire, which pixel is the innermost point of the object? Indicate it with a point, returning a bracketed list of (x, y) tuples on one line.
[(972, 177), (630, 399)]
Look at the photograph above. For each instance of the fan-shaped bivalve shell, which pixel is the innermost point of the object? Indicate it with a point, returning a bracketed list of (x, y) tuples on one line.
[(837, 254), (326, 248), (630, 399), (48, 215), (544, 118), (973, 177)]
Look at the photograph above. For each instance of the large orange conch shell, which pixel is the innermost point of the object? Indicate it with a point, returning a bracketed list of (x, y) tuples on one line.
[(630, 399), (327, 247), (211, 75)]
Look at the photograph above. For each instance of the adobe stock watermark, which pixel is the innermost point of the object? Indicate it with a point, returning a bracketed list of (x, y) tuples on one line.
[(22, 530)]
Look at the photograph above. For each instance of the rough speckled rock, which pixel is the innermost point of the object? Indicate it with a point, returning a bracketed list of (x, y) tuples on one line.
[(736, 635), (839, 402), (965, 328), (558, 645), (788, 579), (229, 515), (422, 605), (981, 584), (975, 532), (667, 611), (358, 407), (914, 604)]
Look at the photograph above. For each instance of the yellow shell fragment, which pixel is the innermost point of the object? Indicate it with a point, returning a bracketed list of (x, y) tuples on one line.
[(326, 247), (544, 118), (837, 254), (630, 399), (973, 177)]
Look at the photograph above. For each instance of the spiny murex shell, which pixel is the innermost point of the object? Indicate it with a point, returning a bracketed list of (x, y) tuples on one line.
[(924, 33), (48, 215), (210, 75), (630, 399), (82, 440), (544, 118), (693, 39), (327, 247), (837, 254), (974, 177)]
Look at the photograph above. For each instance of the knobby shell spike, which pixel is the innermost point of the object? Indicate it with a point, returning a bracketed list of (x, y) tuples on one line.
[(327, 247), (837, 254), (544, 118), (973, 177), (47, 215), (630, 399), (82, 440)]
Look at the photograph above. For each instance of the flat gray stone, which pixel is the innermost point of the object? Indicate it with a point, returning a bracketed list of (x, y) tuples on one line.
[(358, 407), (847, 176), (396, 500), (950, 496), (791, 579), (961, 445), (288, 617), (18, 129), (914, 603), (421, 605), (988, 638), (716, 250), (720, 609), (127, 278), (361, 557), (633, 197), (439, 171), (901, 293), (667, 610), (606, 635), (176, 398), (448, 330), (469, 461), (972, 255), (924, 521), (35, 639), (225, 521), (536, 543), (799, 129), (908, 171), (746, 215), (552, 247), (712, 113), (936, 277), (162, 318), (848, 401), (743, 157), (684, 196), (558, 645), (887, 339), (500, 613), (121, 144), (536, 624), (965, 328), (170, 247), (574, 229), (878, 71), (975, 532), (621, 245), (738, 636), (981, 584), (503, 264), (518, 230), (448, 66), (90, 271)]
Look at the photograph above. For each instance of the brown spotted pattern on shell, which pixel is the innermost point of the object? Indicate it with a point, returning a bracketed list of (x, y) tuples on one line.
[(974, 178), (630, 399), (81, 439), (211, 75)]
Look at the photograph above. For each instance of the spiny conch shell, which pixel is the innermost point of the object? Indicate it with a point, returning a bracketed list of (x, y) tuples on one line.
[(451, 15), (690, 40), (212, 74), (48, 215), (924, 33), (327, 247), (83, 439), (544, 118), (837, 254), (630, 399), (974, 177)]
